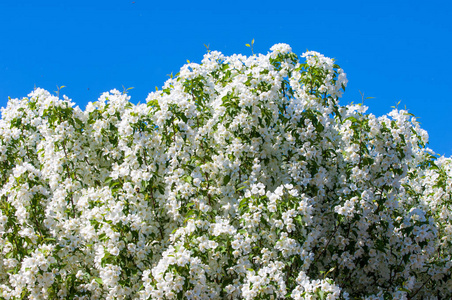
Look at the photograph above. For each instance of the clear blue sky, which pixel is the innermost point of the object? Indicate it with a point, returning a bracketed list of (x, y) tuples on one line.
[(391, 50)]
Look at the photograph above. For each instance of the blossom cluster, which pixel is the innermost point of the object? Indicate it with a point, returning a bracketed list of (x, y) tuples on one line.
[(242, 178)]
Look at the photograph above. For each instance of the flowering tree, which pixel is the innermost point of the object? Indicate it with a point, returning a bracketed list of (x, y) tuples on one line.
[(243, 178)]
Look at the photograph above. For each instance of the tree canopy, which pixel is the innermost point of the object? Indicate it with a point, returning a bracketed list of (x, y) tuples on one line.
[(242, 178)]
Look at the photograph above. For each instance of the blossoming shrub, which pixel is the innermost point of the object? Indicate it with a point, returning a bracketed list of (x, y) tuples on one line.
[(243, 178)]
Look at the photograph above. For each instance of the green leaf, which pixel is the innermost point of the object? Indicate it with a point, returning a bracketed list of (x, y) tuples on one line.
[(226, 179)]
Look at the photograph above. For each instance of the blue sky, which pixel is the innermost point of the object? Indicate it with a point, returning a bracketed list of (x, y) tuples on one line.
[(391, 50)]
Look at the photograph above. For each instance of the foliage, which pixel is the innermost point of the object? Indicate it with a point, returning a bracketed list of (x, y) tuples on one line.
[(243, 178)]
